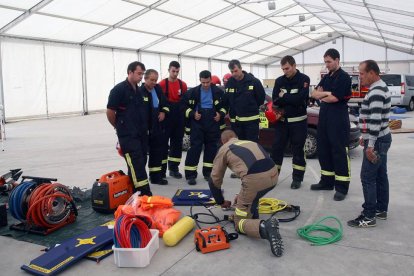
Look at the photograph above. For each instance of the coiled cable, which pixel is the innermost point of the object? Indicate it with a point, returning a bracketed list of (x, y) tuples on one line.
[(335, 233), (271, 205), (17, 199), (131, 232), (50, 204)]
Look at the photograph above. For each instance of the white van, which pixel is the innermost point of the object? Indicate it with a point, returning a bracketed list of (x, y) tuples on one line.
[(401, 87)]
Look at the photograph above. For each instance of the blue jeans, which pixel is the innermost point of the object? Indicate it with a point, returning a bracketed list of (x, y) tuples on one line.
[(374, 178)]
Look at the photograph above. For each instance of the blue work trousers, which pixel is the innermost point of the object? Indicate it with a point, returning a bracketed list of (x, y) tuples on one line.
[(374, 178)]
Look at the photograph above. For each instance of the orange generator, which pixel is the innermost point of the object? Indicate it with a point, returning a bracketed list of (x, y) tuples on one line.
[(110, 191), (211, 239)]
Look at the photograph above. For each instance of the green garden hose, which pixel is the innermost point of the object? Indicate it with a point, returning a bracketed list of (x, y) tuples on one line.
[(335, 233)]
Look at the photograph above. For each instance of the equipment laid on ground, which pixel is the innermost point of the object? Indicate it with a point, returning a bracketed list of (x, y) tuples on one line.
[(9, 180), (399, 110), (41, 206), (71, 251), (134, 242), (335, 233), (158, 209), (110, 191), (211, 239), (189, 197), (137, 257), (178, 231), (395, 124), (132, 231), (275, 206)]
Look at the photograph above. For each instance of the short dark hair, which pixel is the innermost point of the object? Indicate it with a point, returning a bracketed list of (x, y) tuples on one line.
[(174, 64), (287, 59), (205, 74), (371, 65), (149, 72), (133, 66), (333, 53), (233, 63)]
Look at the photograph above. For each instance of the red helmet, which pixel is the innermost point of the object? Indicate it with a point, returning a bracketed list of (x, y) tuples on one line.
[(272, 114), (215, 80), (226, 77), (269, 113)]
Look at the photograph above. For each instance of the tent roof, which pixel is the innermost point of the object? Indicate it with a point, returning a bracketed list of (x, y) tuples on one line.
[(216, 29)]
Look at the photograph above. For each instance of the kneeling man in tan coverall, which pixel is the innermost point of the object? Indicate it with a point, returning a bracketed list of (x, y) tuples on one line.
[(259, 175)]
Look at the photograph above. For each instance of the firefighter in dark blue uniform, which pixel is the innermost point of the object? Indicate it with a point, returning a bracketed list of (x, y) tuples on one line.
[(334, 91), (128, 110), (244, 94), (157, 139), (174, 89), (204, 112), (290, 94)]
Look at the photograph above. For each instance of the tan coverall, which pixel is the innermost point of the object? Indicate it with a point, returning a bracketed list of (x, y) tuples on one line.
[(258, 174)]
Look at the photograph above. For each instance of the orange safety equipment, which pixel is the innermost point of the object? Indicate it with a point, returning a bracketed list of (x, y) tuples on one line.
[(270, 113), (157, 209), (148, 202), (226, 76), (215, 80)]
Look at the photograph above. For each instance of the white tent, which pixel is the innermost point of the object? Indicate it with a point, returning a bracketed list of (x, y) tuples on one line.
[(63, 56)]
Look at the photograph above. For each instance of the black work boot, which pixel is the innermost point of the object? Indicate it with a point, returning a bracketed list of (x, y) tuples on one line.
[(295, 184), (269, 229), (321, 186)]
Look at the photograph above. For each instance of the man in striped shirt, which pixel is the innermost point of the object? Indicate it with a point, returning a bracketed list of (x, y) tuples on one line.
[(376, 140)]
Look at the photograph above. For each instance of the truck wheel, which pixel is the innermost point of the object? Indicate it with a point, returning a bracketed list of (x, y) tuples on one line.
[(310, 143), (411, 105)]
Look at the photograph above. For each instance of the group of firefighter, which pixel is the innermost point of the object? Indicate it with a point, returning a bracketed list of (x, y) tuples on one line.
[(166, 110), (151, 120)]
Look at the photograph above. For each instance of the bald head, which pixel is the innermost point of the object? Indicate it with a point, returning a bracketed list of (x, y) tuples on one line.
[(227, 135)]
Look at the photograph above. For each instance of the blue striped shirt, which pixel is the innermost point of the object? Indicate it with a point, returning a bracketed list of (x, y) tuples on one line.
[(375, 112)]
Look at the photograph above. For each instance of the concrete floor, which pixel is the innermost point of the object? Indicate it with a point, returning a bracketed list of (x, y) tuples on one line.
[(77, 150)]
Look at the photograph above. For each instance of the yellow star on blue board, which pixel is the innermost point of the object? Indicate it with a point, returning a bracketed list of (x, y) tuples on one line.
[(198, 194), (85, 241)]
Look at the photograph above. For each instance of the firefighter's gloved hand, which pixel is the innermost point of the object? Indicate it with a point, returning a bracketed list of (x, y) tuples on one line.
[(226, 204)]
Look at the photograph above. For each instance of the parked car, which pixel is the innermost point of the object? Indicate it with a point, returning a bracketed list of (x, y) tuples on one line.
[(401, 87), (267, 132), (267, 135)]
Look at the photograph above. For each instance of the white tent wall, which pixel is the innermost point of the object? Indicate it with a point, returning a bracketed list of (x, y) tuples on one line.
[(273, 72), (164, 62), (53, 83), (121, 60), (259, 72), (23, 70), (100, 77), (352, 52), (151, 61), (219, 68), (200, 65), (188, 71), (63, 79)]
